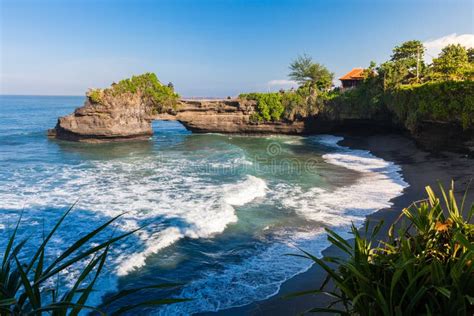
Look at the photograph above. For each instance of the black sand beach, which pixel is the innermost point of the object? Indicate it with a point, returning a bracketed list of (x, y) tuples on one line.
[(419, 168)]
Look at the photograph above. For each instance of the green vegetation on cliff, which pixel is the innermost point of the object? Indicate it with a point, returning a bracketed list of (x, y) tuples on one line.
[(442, 101), (408, 92), (269, 106), (162, 98), (315, 81), (403, 90)]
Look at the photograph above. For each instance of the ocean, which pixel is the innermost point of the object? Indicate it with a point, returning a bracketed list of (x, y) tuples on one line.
[(221, 212)]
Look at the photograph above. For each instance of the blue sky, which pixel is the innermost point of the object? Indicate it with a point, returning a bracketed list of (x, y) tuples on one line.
[(207, 47)]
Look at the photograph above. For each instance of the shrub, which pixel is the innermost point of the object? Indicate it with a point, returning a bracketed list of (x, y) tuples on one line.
[(268, 108), (160, 97), (28, 287), (95, 96), (426, 269), (446, 101)]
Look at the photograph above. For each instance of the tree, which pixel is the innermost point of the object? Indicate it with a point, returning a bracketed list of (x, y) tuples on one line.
[(306, 72), (409, 55), (470, 55), (452, 63)]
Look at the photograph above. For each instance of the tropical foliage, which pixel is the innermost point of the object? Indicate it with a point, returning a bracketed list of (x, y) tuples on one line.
[(453, 64), (446, 101), (268, 106), (30, 286), (161, 97), (406, 91), (308, 73), (315, 81), (426, 268)]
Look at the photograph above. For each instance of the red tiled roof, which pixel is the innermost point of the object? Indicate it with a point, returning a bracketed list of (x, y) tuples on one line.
[(354, 74)]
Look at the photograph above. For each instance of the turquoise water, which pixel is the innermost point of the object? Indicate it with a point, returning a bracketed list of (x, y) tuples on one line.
[(221, 211)]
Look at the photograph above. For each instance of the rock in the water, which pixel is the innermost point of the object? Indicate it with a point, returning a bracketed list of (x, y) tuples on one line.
[(128, 117), (116, 118)]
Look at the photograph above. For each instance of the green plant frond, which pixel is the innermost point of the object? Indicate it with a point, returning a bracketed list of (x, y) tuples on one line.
[(79, 243), (85, 294), (51, 233), (465, 196), (52, 271), (22, 286), (425, 267), (7, 302), (64, 306), (158, 302), (6, 255), (33, 299), (128, 292)]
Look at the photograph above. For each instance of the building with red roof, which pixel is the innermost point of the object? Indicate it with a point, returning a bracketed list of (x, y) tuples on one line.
[(352, 78)]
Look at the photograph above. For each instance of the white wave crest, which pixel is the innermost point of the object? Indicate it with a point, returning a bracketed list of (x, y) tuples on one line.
[(261, 276)]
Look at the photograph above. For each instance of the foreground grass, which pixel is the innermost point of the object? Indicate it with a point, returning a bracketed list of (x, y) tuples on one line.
[(425, 268), (30, 287)]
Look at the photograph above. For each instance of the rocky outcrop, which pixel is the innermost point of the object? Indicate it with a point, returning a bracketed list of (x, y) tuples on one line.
[(127, 117), (114, 119), (227, 116)]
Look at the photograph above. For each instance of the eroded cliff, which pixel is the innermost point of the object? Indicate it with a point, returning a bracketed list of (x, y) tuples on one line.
[(128, 117)]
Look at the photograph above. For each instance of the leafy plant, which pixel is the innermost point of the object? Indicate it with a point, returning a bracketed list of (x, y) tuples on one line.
[(95, 96), (452, 64), (160, 97), (306, 72), (446, 101), (268, 108), (424, 269), (27, 287)]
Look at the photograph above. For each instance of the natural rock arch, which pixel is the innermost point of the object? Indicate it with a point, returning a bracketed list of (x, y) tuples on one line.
[(127, 117)]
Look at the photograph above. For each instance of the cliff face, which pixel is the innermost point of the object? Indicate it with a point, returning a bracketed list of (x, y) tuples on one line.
[(116, 118), (227, 116), (129, 118)]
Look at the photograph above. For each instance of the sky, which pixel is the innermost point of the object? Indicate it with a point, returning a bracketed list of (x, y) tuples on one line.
[(212, 48)]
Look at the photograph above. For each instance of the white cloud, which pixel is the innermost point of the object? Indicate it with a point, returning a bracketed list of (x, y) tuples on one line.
[(274, 85), (433, 47), (282, 82)]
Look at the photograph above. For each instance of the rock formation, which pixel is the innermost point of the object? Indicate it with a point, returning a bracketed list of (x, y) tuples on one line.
[(227, 116), (116, 118), (127, 117)]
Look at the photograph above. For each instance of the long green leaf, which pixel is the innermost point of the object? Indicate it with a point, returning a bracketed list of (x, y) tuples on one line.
[(46, 240), (157, 302), (81, 242), (34, 301), (84, 254), (127, 292), (85, 294), (6, 254), (60, 306)]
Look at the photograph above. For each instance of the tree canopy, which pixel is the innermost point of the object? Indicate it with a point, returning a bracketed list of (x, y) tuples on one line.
[(409, 52), (306, 72), (452, 63)]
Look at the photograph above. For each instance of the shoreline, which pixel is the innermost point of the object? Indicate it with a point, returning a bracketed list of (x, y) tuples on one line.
[(419, 168)]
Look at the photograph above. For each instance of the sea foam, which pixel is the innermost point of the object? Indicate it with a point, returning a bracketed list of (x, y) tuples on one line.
[(175, 203), (261, 275)]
